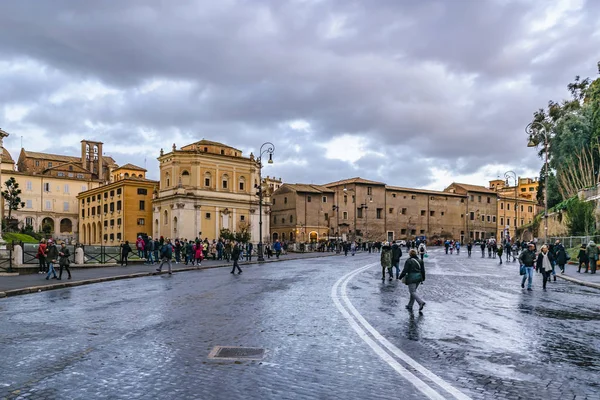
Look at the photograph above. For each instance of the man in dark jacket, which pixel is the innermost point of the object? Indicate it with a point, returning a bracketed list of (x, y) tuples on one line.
[(51, 258), (125, 250), (396, 254), (166, 254), (482, 245), (560, 255), (63, 260), (527, 258), (414, 270), (235, 256)]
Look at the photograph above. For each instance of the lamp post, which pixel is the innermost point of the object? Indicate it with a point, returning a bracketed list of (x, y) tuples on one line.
[(346, 190), (2, 136), (270, 148), (336, 208), (365, 207), (531, 130), (507, 175)]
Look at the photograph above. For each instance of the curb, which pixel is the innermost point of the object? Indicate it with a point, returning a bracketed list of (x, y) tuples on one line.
[(36, 289), (566, 278)]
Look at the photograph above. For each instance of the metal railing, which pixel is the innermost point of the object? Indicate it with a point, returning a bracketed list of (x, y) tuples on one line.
[(6, 260), (101, 254), (574, 241), (30, 251)]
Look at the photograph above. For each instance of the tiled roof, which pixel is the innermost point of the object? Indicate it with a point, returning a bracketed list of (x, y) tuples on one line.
[(131, 166), (424, 191), (53, 157), (354, 180), (307, 188), (473, 188), (6, 158)]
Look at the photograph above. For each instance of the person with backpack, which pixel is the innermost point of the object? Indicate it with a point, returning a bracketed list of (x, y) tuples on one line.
[(386, 261), (414, 271), (166, 254), (422, 250), (139, 245), (396, 254)]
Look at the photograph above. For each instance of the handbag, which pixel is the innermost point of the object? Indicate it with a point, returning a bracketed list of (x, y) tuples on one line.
[(522, 270), (425, 255)]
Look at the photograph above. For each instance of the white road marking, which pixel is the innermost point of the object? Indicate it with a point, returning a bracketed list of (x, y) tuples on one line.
[(352, 315)]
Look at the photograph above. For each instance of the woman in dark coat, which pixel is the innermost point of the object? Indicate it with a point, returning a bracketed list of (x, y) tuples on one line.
[(63, 260), (414, 270), (560, 255), (545, 263), (583, 258)]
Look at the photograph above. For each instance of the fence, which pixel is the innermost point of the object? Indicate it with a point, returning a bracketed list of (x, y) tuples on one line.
[(91, 254), (5, 260), (30, 251), (574, 241)]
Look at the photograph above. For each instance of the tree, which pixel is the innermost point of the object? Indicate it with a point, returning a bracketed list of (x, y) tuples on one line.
[(226, 234), (243, 234), (12, 196), (580, 216)]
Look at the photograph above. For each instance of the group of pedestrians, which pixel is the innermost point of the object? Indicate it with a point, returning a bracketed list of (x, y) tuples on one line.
[(412, 274), (49, 255)]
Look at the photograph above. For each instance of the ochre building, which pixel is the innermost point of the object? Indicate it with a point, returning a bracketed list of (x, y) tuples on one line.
[(205, 187)]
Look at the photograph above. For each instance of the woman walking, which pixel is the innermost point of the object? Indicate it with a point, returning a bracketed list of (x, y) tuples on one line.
[(386, 261), (63, 260), (414, 271), (583, 259), (544, 263)]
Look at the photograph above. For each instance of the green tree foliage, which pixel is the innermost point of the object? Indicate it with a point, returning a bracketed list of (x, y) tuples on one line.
[(554, 196), (226, 234), (580, 216), (573, 133), (12, 196)]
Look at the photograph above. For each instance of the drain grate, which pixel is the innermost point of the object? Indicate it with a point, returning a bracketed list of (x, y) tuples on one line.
[(237, 353)]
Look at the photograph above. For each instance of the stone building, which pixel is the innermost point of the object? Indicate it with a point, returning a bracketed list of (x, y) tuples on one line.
[(50, 184), (119, 211), (481, 208), (517, 205), (301, 213), (205, 187)]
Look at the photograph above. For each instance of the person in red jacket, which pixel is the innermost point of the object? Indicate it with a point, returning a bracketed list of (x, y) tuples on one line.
[(41, 256), (139, 245)]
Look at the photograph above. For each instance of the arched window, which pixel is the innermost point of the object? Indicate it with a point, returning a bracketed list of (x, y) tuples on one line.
[(140, 176), (166, 219), (175, 225), (207, 179), (225, 182), (185, 178), (242, 184), (126, 174)]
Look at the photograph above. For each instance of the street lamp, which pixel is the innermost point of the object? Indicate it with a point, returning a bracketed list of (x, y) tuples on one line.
[(346, 190), (532, 129), (2, 136), (507, 175), (270, 148), (336, 208), (365, 207)]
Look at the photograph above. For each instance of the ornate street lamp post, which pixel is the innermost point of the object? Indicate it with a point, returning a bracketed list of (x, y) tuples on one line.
[(507, 175), (270, 148), (531, 130), (2, 136)]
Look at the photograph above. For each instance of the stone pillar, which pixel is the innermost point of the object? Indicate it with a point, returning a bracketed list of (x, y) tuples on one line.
[(79, 258), (17, 255)]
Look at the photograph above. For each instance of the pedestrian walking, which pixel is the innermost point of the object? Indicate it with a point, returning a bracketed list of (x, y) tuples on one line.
[(544, 263), (41, 256), (235, 256), (353, 247), (346, 248), (189, 253), (482, 245), (515, 251), (583, 258), (414, 271), (592, 254), (386, 261), (156, 249), (457, 245), (166, 254), (527, 259), (469, 249), (500, 250), (150, 251), (125, 250), (177, 248), (422, 250), (249, 248), (198, 253), (561, 256), (396, 254), (63, 261), (51, 259)]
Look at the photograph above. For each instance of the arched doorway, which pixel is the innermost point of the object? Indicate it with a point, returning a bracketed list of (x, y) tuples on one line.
[(93, 237), (292, 236), (48, 226), (83, 235), (275, 236), (313, 236), (283, 236), (99, 232), (66, 225)]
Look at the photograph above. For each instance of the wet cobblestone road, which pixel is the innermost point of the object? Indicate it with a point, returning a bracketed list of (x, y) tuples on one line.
[(481, 335)]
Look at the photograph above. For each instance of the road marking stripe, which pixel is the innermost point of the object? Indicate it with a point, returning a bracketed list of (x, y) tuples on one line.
[(418, 383), (382, 340)]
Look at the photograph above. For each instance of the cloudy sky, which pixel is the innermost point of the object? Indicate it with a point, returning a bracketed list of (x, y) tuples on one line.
[(411, 93)]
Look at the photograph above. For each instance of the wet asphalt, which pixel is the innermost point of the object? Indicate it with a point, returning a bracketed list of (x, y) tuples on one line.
[(150, 337)]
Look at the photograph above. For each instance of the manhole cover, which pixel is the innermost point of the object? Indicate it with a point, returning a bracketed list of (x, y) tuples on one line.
[(237, 353)]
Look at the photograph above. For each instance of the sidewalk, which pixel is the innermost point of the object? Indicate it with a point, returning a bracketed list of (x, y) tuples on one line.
[(23, 284), (590, 280)]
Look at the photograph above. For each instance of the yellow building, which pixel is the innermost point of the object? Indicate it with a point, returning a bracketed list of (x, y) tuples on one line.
[(119, 211), (205, 187), (517, 205)]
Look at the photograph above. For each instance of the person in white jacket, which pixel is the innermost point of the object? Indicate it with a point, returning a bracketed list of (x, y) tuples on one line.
[(422, 250)]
